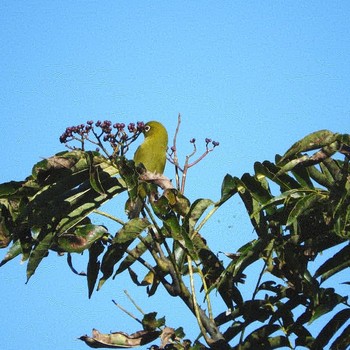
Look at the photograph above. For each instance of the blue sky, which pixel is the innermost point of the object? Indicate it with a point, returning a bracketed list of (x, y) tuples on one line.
[(254, 75)]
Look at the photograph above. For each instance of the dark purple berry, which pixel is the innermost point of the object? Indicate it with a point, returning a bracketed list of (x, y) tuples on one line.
[(140, 126), (131, 127)]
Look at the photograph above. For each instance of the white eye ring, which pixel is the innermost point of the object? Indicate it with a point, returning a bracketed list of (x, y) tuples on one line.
[(147, 128)]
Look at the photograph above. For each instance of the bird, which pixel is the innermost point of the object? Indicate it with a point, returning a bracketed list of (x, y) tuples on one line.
[(152, 155), (152, 152)]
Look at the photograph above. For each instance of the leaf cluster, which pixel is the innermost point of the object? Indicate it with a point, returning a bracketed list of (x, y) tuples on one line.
[(50, 211)]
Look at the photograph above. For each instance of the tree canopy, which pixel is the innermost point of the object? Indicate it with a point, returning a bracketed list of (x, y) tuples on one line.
[(298, 206)]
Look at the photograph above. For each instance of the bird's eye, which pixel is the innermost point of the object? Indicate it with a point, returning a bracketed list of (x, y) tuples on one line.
[(147, 128)]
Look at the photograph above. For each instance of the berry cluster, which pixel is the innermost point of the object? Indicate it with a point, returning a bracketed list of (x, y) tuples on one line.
[(103, 131), (207, 142), (214, 143)]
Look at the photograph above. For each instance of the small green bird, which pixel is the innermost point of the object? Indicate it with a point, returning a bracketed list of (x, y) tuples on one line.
[(152, 152)]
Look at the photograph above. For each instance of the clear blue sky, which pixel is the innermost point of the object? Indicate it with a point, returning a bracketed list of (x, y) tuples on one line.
[(254, 75)]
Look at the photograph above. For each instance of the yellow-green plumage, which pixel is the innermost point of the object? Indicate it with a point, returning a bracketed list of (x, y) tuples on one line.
[(152, 152)]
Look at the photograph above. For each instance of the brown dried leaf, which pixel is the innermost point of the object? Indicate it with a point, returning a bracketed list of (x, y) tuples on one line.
[(167, 335), (119, 340), (158, 179)]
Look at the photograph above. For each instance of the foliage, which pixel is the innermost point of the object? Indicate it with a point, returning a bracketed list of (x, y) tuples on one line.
[(49, 211)]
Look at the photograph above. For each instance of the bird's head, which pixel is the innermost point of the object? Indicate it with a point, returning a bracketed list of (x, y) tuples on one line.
[(156, 130)]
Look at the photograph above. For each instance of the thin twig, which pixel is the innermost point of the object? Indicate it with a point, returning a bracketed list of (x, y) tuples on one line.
[(100, 144), (256, 290), (109, 216), (175, 158), (138, 258), (207, 297), (159, 231), (207, 217), (133, 302), (127, 312), (186, 167), (194, 300), (208, 150)]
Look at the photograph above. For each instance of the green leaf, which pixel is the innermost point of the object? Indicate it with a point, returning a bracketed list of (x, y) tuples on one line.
[(228, 188), (272, 172), (331, 169), (5, 236), (131, 230), (320, 177), (129, 174), (342, 341), (249, 253), (212, 267), (113, 254), (327, 301), (81, 238), (302, 206), (252, 205), (335, 264), (167, 210), (27, 239), (261, 339), (284, 311), (310, 142), (71, 266), (71, 184), (256, 189), (286, 197), (172, 226), (14, 251), (151, 323), (38, 253), (65, 161), (302, 175), (254, 195), (179, 332), (332, 327), (14, 210), (94, 175), (135, 253), (10, 188), (177, 201), (292, 164), (93, 266), (196, 211), (188, 226), (71, 206), (58, 196), (124, 237)]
